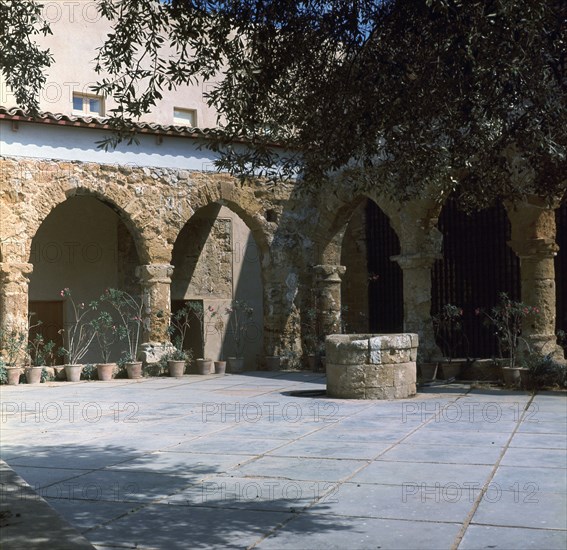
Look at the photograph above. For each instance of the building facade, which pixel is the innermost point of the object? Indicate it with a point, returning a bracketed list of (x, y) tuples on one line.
[(157, 220)]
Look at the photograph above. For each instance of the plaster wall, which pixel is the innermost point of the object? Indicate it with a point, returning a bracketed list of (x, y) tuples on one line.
[(78, 30)]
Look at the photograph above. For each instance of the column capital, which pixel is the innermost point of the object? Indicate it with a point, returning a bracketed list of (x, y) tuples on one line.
[(15, 271), (537, 249), (154, 273), (329, 273)]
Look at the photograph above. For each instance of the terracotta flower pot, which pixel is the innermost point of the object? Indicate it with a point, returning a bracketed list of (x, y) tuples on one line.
[(176, 368), (236, 364), (73, 372), (33, 375), (105, 371), (134, 370), (512, 376), (13, 374), (204, 366), (220, 367)]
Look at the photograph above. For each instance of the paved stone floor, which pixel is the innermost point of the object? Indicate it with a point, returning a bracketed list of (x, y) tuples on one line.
[(240, 461)]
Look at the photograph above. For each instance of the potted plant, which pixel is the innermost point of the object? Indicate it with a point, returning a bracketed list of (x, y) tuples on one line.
[(129, 326), (41, 354), (240, 313), (447, 326), (178, 357), (106, 334), (77, 338), (13, 343), (203, 316), (506, 317), (272, 362), (562, 341), (177, 360)]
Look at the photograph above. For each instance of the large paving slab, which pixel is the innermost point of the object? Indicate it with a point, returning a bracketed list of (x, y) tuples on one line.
[(242, 461)]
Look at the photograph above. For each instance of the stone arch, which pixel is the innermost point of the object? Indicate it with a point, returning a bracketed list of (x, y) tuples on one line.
[(219, 255), (224, 191), (84, 242), (336, 210), (341, 276), (118, 200), (477, 264)]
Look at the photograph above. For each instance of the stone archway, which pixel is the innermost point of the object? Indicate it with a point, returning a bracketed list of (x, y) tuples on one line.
[(477, 265), (83, 244), (216, 259)]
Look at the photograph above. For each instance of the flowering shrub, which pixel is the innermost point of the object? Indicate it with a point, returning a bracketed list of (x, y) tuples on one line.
[(507, 317), (205, 318), (41, 352), (80, 334), (129, 326), (178, 327), (447, 325), (106, 333), (217, 320)]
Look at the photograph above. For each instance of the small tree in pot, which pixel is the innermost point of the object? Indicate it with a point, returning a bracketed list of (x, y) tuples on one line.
[(42, 354), (178, 328), (77, 337), (106, 335), (448, 326), (507, 317), (129, 326)]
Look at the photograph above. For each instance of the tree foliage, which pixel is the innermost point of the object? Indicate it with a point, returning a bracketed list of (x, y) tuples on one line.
[(443, 95), (22, 61)]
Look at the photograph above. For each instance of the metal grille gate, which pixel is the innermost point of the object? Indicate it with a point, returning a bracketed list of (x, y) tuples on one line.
[(477, 265), (385, 283)]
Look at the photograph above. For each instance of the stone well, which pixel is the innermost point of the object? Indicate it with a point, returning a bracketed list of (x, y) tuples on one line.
[(371, 366)]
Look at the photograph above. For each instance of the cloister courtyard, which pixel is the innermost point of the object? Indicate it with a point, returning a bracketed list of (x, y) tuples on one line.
[(266, 460)]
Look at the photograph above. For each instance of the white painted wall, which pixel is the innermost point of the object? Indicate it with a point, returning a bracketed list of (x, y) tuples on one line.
[(44, 141), (77, 31)]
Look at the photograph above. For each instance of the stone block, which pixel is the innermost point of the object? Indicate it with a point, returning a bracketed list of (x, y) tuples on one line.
[(375, 357), (345, 349), (379, 375), (394, 356), (388, 372), (392, 341)]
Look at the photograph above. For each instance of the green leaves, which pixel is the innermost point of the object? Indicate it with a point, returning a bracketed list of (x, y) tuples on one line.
[(22, 61), (422, 94)]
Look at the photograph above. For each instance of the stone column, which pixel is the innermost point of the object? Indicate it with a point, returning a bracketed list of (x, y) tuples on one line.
[(417, 300), (274, 322), (415, 223), (155, 280), (14, 284), (533, 240), (328, 285)]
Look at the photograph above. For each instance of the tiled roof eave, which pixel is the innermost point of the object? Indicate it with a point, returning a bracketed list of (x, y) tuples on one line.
[(58, 119)]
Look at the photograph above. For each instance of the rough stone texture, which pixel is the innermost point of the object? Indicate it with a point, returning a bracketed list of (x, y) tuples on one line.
[(205, 266), (370, 366), (534, 241), (298, 231)]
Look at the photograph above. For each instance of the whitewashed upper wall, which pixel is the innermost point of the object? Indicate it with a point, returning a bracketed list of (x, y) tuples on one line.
[(49, 141), (78, 30)]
